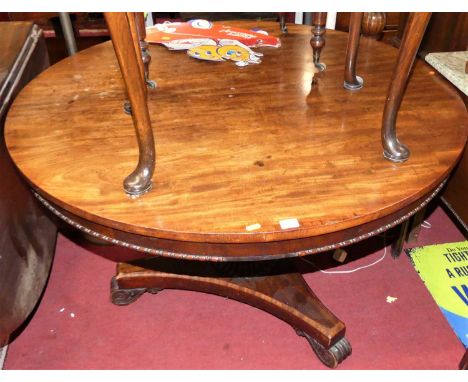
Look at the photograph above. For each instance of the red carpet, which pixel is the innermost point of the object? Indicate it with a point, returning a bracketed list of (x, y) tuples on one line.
[(76, 326)]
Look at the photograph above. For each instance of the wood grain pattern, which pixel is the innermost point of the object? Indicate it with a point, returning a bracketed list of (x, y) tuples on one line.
[(273, 286), (236, 146), (283, 294)]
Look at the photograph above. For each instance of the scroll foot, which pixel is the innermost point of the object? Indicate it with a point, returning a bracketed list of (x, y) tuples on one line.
[(333, 356), (120, 296)]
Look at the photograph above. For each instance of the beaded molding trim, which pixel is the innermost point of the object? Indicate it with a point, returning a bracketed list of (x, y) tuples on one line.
[(184, 256)]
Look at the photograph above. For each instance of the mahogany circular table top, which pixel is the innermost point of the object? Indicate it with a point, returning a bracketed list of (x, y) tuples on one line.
[(235, 146)]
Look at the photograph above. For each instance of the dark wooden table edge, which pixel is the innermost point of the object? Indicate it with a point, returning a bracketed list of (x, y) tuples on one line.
[(258, 251)]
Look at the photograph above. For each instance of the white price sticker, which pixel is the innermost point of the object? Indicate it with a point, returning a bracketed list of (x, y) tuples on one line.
[(289, 223)]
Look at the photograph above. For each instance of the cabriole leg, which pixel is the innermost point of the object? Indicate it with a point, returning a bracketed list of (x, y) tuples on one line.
[(139, 181), (394, 150)]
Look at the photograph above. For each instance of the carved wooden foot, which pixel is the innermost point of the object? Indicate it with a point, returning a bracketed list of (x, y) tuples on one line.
[(121, 296), (273, 286), (332, 356)]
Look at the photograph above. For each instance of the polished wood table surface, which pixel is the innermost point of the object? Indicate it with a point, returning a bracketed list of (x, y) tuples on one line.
[(239, 150)]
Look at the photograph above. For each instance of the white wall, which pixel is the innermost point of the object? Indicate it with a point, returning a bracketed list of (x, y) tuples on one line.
[(331, 19)]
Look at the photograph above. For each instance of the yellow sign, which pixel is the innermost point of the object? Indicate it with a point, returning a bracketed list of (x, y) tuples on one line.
[(444, 270)]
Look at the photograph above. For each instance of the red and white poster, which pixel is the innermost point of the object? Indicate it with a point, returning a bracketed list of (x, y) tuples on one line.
[(205, 40)]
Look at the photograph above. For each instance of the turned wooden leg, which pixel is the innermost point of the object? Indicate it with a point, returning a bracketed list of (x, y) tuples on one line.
[(138, 31), (416, 222), (351, 81), (260, 284), (393, 149), (139, 181), (282, 19), (373, 24), (134, 32), (317, 41), (397, 246), (144, 48)]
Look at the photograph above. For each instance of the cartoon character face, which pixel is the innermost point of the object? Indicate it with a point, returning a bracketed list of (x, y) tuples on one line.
[(205, 52), (239, 53), (234, 53)]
